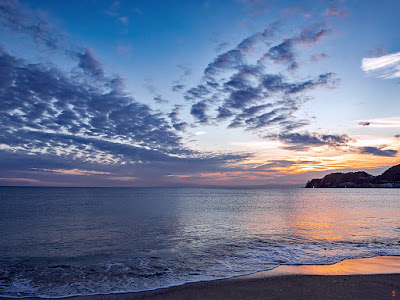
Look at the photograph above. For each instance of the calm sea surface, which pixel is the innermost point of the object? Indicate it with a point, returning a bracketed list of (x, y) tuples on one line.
[(56, 242)]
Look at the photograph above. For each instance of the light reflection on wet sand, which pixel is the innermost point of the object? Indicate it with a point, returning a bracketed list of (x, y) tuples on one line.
[(373, 265)]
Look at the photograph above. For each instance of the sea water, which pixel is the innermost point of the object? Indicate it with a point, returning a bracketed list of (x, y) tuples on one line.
[(57, 242)]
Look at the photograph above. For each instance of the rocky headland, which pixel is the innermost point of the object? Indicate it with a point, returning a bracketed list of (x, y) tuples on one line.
[(388, 179)]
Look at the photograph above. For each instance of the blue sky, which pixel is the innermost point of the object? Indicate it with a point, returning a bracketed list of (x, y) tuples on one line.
[(196, 93)]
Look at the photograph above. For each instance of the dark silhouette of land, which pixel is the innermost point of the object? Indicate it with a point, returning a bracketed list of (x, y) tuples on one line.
[(388, 179)]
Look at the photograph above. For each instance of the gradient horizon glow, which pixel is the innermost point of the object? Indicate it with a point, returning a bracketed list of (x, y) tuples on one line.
[(196, 93)]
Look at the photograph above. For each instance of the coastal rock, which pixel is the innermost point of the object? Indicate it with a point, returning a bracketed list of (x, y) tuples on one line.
[(390, 175), (390, 178)]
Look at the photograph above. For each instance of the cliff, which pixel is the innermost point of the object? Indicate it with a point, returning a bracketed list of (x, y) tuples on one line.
[(390, 178)]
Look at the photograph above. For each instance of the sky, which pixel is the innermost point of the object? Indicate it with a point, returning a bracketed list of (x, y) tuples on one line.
[(197, 93)]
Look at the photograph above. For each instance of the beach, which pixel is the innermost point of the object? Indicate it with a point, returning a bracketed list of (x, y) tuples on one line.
[(365, 278)]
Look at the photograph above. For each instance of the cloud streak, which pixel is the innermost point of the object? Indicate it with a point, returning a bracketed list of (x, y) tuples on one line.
[(305, 140), (76, 172), (386, 66), (89, 64), (364, 123), (378, 151)]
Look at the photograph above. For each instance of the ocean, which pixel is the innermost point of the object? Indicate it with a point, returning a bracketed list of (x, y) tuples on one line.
[(58, 242)]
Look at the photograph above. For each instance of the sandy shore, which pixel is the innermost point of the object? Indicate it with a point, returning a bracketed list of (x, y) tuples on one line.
[(367, 278)]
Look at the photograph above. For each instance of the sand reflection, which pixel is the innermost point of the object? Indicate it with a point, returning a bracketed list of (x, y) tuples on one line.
[(374, 265)]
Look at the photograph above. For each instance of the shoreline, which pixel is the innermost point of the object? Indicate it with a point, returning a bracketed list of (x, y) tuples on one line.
[(363, 278)]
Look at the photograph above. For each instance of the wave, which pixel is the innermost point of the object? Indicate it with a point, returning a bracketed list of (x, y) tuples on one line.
[(40, 277)]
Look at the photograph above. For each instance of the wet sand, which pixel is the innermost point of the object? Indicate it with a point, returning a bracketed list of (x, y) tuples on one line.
[(367, 278)]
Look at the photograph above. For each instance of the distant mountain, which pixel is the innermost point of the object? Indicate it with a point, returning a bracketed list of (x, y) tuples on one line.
[(390, 178)]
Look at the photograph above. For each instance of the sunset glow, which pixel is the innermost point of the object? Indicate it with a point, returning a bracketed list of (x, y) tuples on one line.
[(240, 93)]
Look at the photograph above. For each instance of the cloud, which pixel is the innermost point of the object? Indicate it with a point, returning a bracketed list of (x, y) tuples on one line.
[(138, 11), (149, 85), (200, 132), (321, 80), (243, 97), (32, 23), (87, 124), (244, 77), (255, 7), (114, 12), (185, 69), (124, 20), (250, 112), (331, 11), (312, 34), (249, 3), (89, 64), (159, 99), (124, 50), (273, 164), (386, 66), (178, 87), (319, 56), (304, 140), (199, 92), (227, 60), (43, 98), (221, 46), (124, 178), (55, 121), (389, 122), (234, 58), (176, 122), (224, 113), (23, 20), (284, 166), (265, 119), (45, 110), (256, 100), (285, 51), (156, 172), (180, 126), (377, 151), (234, 88), (198, 110), (376, 52), (43, 106), (23, 180), (76, 172)]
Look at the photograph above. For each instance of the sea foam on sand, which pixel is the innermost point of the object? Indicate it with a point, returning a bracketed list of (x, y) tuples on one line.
[(364, 278)]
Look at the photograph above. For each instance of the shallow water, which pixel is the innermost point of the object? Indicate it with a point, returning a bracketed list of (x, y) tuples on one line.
[(56, 242)]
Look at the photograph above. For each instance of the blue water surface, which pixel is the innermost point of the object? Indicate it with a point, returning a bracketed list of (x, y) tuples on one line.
[(57, 242)]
